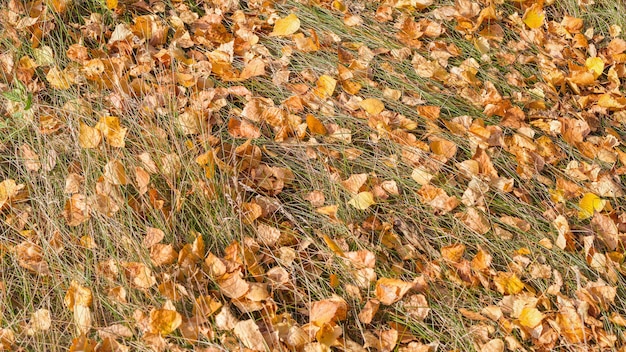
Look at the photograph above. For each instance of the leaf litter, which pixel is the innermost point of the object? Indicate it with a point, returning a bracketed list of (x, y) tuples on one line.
[(312, 177)]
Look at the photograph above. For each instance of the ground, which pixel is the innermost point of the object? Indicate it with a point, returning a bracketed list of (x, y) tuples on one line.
[(404, 175)]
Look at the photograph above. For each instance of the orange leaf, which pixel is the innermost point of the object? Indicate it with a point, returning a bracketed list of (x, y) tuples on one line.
[(389, 291), (315, 125), (328, 311)]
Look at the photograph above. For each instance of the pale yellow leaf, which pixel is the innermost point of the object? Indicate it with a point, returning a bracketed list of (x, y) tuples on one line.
[(362, 200), (372, 105)]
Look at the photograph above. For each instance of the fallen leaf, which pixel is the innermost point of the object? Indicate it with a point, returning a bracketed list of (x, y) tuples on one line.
[(286, 26), (325, 86), (362, 200), (373, 106), (164, 321), (328, 310), (589, 204), (88, 137), (115, 173), (389, 291), (247, 331), (533, 17)]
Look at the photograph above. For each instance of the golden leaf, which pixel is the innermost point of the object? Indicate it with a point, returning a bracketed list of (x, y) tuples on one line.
[(372, 105), (58, 79), (77, 294), (111, 4), (508, 283), (589, 204), (59, 6), (530, 317), (596, 65), (88, 137), (534, 16), (362, 200), (325, 86), (113, 132), (164, 321), (454, 252), (286, 26), (571, 325)]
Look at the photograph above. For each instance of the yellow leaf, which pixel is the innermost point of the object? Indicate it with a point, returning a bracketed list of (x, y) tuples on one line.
[(530, 317), (362, 200), (596, 65), (453, 253), (286, 26), (508, 283), (111, 4), (76, 295), (372, 105), (333, 246), (606, 100), (88, 137), (589, 204), (59, 6), (325, 86), (534, 16), (164, 321)]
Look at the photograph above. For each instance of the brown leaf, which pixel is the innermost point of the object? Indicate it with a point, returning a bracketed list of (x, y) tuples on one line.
[(247, 331), (153, 236), (369, 310), (416, 306), (233, 285), (115, 173)]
